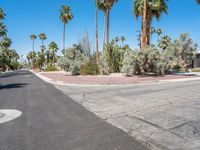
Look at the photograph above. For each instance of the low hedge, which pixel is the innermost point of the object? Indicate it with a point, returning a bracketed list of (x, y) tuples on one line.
[(51, 68), (90, 68)]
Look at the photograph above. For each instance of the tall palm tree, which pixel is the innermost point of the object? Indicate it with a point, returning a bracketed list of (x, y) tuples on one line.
[(97, 33), (65, 16), (106, 6), (148, 9), (53, 48), (42, 37), (33, 38)]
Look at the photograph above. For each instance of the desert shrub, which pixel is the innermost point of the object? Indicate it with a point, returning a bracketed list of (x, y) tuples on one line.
[(181, 53), (195, 70), (72, 60), (51, 68), (90, 68), (144, 61), (113, 56)]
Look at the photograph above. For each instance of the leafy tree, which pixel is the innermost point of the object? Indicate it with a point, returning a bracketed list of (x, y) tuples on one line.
[(181, 53), (72, 59), (53, 48), (65, 16), (40, 59)]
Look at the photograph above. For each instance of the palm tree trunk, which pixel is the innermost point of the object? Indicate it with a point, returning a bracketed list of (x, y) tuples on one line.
[(64, 36), (105, 29), (33, 61), (53, 58), (144, 26), (97, 34), (108, 26), (148, 38)]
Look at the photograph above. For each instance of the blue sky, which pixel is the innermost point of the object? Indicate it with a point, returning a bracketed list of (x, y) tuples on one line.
[(25, 17)]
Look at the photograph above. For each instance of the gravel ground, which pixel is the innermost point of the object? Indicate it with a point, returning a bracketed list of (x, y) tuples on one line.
[(108, 79)]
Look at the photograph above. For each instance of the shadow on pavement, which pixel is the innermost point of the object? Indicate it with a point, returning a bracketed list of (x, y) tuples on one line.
[(17, 73), (12, 86)]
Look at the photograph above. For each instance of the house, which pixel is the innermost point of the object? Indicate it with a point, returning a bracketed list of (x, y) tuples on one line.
[(196, 61)]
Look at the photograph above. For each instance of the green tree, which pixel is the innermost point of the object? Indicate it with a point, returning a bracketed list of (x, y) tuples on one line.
[(53, 48), (33, 38), (148, 9), (164, 42), (159, 32), (65, 16), (2, 14), (106, 6), (42, 37)]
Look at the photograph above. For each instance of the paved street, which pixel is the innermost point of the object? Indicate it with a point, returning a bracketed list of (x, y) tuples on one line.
[(50, 120), (162, 115)]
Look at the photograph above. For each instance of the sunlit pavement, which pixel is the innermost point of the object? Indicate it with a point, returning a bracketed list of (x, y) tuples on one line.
[(161, 115), (51, 120)]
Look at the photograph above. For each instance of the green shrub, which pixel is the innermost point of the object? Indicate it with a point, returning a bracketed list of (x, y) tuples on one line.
[(14, 65), (144, 61), (90, 68), (195, 70), (113, 56), (51, 68)]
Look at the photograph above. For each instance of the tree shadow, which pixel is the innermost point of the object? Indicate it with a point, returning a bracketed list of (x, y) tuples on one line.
[(12, 86), (17, 73)]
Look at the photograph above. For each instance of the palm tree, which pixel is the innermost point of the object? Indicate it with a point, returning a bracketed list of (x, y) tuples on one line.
[(97, 33), (123, 39), (33, 38), (42, 37), (3, 30), (2, 14), (53, 48), (159, 32), (148, 9), (65, 16), (198, 1), (106, 6)]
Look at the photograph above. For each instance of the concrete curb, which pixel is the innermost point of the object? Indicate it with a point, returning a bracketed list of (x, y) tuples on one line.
[(129, 84)]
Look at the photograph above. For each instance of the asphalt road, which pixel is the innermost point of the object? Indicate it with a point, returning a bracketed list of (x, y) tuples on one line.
[(52, 121)]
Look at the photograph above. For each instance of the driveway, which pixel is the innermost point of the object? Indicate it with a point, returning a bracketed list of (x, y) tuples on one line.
[(161, 115), (51, 120)]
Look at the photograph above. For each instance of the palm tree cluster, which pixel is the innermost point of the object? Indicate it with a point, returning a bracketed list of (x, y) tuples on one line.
[(8, 57), (43, 57), (147, 9)]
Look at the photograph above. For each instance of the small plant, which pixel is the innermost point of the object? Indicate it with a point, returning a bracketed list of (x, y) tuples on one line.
[(196, 70), (51, 68), (90, 68)]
